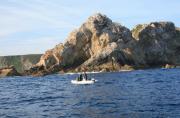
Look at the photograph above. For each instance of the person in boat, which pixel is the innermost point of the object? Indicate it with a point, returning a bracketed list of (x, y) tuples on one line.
[(85, 76), (84, 73), (80, 78)]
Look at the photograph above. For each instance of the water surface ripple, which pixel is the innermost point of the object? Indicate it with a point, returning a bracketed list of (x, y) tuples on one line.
[(137, 94)]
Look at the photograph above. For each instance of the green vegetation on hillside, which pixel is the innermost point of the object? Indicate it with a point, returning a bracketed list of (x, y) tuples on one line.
[(20, 62)]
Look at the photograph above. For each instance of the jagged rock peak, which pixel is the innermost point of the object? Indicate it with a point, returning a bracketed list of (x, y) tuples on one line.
[(99, 18), (97, 22)]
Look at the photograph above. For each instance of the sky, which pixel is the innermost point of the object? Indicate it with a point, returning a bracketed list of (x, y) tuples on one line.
[(34, 26)]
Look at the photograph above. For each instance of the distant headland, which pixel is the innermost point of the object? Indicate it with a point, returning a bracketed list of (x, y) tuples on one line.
[(100, 44)]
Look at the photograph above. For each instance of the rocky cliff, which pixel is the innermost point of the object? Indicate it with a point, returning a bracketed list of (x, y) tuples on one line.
[(101, 44), (21, 62), (159, 42)]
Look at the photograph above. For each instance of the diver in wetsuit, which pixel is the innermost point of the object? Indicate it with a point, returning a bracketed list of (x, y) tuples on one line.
[(80, 77), (85, 76)]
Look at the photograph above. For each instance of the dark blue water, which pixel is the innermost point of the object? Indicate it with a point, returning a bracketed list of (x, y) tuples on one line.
[(142, 93)]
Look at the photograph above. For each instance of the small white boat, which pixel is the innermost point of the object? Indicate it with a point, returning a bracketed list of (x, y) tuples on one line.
[(92, 81)]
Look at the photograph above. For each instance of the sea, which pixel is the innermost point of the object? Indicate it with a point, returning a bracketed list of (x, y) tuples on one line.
[(151, 93)]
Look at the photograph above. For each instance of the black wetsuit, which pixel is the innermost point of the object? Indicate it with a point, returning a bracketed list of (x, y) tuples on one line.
[(85, 75), (80, 77)]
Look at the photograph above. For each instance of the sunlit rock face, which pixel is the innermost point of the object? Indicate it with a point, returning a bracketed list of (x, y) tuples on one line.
[(101, 44), (97, 41)]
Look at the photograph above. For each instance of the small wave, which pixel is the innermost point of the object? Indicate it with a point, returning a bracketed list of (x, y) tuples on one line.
[(125, 70), (158, 81), (108, 82), (117, 93), (81, 73)]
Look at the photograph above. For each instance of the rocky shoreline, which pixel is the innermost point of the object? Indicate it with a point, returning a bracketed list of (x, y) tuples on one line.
[(103, 45), (9, 71)]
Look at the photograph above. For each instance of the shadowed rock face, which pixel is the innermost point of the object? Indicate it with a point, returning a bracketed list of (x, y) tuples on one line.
[(159, 42), (102, 44)]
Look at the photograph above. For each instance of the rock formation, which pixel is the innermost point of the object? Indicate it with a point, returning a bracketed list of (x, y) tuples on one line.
[(159, 42), (9, 71), (101, 44)]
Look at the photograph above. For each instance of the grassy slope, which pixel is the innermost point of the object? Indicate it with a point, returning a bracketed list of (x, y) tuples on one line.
[(19, 61)]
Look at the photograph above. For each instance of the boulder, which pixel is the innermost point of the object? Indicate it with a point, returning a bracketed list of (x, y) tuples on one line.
[(8, 71)]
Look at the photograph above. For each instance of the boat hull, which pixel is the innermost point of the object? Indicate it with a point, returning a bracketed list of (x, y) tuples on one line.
[(83, 81)]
